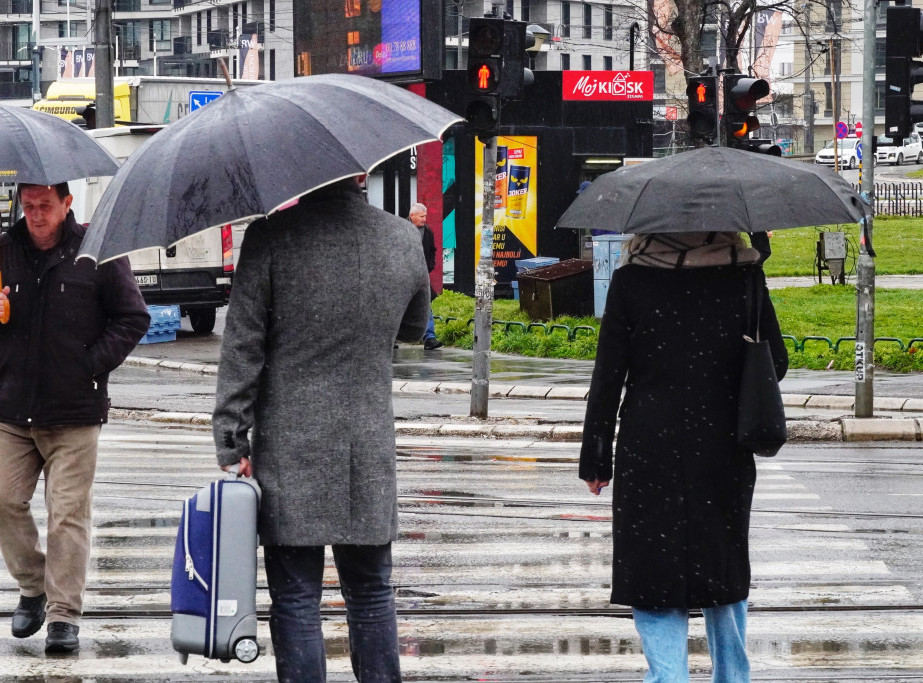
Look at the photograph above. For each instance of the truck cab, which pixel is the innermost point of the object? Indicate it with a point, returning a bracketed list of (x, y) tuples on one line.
[(196, 273)]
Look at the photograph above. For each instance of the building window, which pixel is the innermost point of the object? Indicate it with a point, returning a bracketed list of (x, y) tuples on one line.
[(879, 55), (159, 36), (243, 13), (272, 65), (198, 28), (587, 62), (607, 62), (607, 23), (272, 15), (660, 77), (565, 20), (208, 21), (834, 19), (565, 62), (587, 20), (525, 10), (880, 98), (509, 7)]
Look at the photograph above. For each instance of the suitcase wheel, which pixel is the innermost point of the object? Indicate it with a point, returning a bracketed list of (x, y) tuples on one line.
[(183, 657), (246, 650)]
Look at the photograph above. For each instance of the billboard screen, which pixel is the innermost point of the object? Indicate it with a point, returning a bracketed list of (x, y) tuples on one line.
[(377, 38)]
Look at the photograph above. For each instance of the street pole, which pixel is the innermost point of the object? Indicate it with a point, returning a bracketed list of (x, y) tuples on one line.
[(808, 92), (484, 289), (36, 51), (865, 276), (105, 109)]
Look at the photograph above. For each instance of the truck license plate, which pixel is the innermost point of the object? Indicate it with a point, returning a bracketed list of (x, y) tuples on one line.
[(146, 280)]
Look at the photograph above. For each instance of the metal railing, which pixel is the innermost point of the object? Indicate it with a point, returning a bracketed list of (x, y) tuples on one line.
[(898, 199)]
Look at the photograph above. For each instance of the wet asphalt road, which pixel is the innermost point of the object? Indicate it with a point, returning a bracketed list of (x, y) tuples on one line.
[(502, 567)]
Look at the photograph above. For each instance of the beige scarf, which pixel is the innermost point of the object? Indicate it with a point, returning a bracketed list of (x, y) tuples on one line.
[(690, 250)]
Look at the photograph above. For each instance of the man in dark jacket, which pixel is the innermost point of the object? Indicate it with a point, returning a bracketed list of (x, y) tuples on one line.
[(417, 216), (70, 324)]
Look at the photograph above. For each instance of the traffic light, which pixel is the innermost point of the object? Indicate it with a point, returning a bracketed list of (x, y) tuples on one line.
[(903, 42), (741, 94), (485, 75), (517, 40), (764, 146), (702, 92), (86, 115)]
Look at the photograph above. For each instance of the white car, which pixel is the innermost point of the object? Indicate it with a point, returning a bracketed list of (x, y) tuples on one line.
[(888, 151), (846, 151)]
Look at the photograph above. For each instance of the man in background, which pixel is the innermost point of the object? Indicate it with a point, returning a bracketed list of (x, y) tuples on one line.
[(417, 216)]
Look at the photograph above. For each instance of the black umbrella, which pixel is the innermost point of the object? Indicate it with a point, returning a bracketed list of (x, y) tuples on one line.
[(253, 150), (714, 188), (39, 148)]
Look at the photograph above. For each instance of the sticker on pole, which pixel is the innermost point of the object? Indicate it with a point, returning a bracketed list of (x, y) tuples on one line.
[(842, 130)]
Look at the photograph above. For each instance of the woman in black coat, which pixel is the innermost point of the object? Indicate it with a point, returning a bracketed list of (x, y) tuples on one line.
[(671, 336)]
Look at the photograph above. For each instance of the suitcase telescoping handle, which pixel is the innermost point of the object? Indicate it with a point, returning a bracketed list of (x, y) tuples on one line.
[(234, 471)]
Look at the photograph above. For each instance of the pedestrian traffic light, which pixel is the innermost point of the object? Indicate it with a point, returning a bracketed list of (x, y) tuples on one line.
[(86, 115), (702, 92), (485, 75), (903, 42), (517, 40), (741, 94)]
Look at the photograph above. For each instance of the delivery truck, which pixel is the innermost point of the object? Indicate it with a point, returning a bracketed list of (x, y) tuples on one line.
[(135, 99)]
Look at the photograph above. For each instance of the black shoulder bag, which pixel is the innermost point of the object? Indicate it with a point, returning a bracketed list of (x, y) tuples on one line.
[(760, 413)]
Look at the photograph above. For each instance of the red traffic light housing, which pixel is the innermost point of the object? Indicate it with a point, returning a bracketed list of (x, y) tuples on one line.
[(702, 93), (485, 75)]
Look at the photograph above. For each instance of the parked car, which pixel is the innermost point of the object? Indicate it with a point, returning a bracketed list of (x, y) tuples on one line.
[(894, 152), (846, 150)]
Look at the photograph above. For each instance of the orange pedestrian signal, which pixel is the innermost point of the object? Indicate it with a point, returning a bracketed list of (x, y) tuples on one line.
[(484, 77), (700, 93)]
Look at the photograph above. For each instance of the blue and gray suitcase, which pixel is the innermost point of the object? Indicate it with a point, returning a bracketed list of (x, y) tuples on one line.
[(213, 592)]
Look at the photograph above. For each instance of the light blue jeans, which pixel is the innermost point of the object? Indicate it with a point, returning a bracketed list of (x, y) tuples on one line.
[(664, 634), (430, 329)]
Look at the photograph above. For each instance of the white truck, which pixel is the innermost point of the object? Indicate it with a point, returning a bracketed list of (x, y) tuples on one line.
[(196, 273), (135, 99)]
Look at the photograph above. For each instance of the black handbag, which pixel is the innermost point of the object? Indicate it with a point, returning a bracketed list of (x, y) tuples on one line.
[(760, 414)]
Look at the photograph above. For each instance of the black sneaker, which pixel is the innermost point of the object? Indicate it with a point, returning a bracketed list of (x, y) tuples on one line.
[(29, 616), (62, 637), (431, 344)]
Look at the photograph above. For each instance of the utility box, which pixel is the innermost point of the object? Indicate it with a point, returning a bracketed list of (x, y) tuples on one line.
[(564, 288), (607, 256)]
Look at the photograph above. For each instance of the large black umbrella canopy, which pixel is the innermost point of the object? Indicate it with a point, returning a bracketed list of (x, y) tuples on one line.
[(714, 188), (253, 150), (43, 149)]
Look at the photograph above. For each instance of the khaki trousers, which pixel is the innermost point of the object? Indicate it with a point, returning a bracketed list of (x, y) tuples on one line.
[(67, 456)]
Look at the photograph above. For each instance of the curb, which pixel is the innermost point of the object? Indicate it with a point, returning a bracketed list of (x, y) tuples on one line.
[(562, 392), (799, 431)]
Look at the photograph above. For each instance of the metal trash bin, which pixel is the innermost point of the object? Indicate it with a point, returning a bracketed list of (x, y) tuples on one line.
[(564, 288)]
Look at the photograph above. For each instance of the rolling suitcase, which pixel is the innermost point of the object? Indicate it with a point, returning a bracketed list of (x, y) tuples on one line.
[(213, 591)]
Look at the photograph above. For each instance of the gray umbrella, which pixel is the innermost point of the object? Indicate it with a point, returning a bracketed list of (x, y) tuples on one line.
[(714, 188), (253, 150), (39, 148)]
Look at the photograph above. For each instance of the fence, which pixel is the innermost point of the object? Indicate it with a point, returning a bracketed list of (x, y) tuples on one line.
[(897, 199)]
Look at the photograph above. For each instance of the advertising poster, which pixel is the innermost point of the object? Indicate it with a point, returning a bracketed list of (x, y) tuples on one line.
[(515, 204)]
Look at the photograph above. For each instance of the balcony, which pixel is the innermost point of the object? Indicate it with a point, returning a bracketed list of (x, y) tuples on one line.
[(130, 51), (182, 45), (126, 5), (15, 6), (219, 39)]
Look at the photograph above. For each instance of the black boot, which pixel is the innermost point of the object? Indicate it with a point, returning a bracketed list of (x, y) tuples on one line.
[(62, 637), (29, 616)]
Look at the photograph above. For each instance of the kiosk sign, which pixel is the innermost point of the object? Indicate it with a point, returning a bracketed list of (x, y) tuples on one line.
[(608, 86)]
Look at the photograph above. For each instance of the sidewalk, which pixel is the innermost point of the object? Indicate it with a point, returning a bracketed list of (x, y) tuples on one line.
[(544, 399)]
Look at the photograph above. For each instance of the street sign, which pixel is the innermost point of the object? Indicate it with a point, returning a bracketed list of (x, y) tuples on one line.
[(858, 129), (199, 98), (842, 130), (859, 151)]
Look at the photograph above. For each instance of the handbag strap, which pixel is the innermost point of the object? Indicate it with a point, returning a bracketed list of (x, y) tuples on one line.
[(754, 299)]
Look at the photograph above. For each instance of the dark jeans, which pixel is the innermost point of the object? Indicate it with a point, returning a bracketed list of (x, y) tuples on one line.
[(295, 584)]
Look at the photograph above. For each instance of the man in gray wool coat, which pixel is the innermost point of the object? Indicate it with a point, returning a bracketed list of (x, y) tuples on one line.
[(322, 291)]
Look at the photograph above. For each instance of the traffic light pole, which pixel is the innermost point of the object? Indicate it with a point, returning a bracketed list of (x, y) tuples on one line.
[(865, 276), (484, 288)]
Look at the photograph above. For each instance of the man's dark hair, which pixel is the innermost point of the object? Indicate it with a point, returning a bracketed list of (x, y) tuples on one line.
[(62, 188)]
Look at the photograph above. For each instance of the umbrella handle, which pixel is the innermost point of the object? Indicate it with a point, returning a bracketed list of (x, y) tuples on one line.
[(867, 238)]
